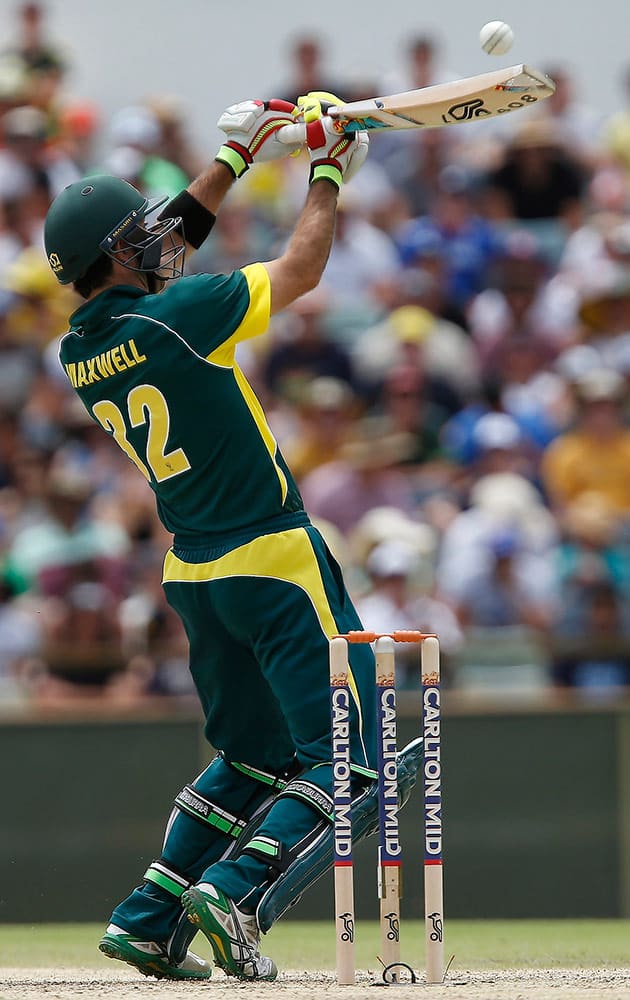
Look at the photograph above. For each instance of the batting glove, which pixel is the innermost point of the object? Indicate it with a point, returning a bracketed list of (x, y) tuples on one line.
[(315, 104), (251, 128), (335, 157)]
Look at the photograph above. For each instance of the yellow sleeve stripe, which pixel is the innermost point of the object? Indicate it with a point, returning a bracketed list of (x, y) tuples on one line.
[(263, 427), (256, 319)]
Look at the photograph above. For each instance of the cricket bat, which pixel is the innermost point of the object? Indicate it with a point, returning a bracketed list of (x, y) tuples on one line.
[(471, 99)]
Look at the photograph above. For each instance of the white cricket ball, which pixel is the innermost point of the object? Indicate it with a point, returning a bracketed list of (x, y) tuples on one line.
[(496, 38)]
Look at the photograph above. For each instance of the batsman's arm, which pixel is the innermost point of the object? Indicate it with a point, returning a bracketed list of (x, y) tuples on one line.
[(211, 186), (301, 266), (334, 159), (197, 206), (251, 129)]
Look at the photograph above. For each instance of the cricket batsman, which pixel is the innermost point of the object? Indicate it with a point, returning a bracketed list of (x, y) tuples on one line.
[(151, 355)]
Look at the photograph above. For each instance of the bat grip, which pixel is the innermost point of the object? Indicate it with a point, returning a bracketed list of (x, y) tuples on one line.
[(292, 134)]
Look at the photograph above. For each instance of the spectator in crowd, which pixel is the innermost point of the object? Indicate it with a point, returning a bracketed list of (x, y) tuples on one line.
[(483, 437), (413, 333), (399, 598), (303, 350), (500, 446), (590, 251), (604, 315), (175, 144), (308, 71), (539, 179), (577, 125), (31, 43), (470, 243), (415, 166), (616, 139), (326, 409), (519, 331), (419, 66), (385, 524), (512, 301), (424, 279), (30, 165), (368, 473), (408, 337), (136, 136), (20, 645), (499, 503), (81, 647), (87, 653), (409, 405), (598, 663), (153, 640), (23, 493), (19, 364), (42, 64), (498, 595), (594, 548), (594, 455), (361, 253), (42, 555), (37, 307), (79, 124)]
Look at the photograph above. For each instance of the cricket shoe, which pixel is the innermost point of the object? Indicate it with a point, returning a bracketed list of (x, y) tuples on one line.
[(150, 958), (233, 935)]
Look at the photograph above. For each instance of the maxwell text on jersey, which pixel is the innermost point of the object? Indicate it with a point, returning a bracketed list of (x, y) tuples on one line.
[(101, 366)]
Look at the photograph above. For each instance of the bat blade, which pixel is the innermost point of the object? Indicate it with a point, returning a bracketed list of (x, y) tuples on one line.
[(472, 99)]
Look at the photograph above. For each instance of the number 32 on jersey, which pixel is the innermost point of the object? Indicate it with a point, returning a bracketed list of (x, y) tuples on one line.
[(145, 405)]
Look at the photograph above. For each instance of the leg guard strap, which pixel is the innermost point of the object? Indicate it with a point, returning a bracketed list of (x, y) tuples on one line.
[(273, 851), (168, 878), (269, 850), (310, 793), (191, 802), (311, 860)]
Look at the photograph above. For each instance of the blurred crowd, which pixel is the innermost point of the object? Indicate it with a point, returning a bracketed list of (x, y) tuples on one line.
[(454, 399)]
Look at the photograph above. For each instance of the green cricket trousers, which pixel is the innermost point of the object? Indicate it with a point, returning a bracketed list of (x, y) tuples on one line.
[(258, 613)]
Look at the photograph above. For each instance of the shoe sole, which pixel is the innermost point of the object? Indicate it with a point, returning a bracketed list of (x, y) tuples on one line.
[(199, 914), (148, 967)]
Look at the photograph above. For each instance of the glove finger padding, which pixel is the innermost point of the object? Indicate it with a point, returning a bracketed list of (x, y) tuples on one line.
[(316, 103), (251, 128), (357, 156), (335, 156)]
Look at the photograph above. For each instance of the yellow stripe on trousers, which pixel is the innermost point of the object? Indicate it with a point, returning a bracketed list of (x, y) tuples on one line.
[(286, 555)]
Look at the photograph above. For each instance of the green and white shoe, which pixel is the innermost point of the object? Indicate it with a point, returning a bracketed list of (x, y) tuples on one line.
[(150, 958), (233, 935)]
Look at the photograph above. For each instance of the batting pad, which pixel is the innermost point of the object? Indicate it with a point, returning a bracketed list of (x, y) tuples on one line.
[(304, 871)]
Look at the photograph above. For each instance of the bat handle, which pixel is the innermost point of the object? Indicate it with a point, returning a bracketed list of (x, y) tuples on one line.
[(291, 134)]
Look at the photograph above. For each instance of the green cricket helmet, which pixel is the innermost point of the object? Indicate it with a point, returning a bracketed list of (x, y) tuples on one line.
[(106, 215)]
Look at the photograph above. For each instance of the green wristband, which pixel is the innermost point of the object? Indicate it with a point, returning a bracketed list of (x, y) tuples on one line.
[(326, 172), (232, 160)]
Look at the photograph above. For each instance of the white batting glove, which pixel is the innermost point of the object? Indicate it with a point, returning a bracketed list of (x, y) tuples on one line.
[(335, 156), (251, 128)]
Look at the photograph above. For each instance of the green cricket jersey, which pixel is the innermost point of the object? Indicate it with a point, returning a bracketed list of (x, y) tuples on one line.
[(158, 373)]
